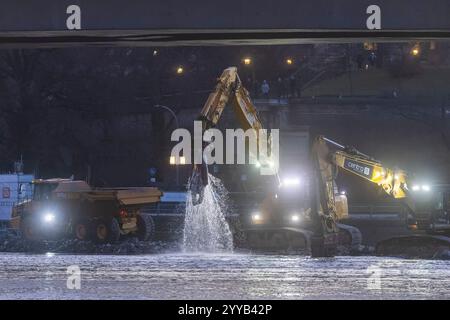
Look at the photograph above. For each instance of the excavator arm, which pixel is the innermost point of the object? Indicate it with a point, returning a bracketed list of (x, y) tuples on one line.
[(332, 207), (329, 210), (392, 181), (229, 90)]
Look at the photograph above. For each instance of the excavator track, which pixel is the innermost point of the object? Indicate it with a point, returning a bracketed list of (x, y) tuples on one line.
[(425, 246), (349, 237)]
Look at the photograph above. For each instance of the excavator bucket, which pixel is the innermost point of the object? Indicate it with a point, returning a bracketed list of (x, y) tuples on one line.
[(198, 182)]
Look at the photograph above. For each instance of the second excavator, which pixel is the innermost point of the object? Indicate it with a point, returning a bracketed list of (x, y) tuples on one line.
[(321, 227)]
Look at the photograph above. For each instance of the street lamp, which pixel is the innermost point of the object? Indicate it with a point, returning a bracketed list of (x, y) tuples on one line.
[(289, 61), (247, 61), (415, 51), (180, 70), (172, 159)]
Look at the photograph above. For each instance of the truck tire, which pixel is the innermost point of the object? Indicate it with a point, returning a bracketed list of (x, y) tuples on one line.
[(106, 230), (27, 230), (145, 227), (82, 229)]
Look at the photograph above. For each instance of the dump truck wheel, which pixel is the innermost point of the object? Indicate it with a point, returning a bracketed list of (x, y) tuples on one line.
[(106, 230), (82, 230), (145, 227), (27, 230)]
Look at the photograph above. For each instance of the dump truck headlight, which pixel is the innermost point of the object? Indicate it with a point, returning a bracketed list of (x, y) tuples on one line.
[(49, 217)]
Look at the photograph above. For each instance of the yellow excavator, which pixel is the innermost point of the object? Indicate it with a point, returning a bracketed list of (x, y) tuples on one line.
[(314, 220), (331, 206), (309, 218), (283, 217), (229, 90), (427, 207)]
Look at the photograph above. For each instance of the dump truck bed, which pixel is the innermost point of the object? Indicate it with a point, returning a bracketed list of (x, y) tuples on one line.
[(128, 196), (125, 196)]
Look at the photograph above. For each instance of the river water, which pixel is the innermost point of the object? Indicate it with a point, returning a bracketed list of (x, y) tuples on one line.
[(222, 276)]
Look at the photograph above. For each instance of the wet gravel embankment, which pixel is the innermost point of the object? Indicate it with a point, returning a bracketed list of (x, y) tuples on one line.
[(131, 246), (12, 243)]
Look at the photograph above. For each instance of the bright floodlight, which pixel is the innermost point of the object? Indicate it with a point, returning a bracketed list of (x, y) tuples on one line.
[(256, 217), (295, 218), (425, 187), (291, 182), (416, 188)]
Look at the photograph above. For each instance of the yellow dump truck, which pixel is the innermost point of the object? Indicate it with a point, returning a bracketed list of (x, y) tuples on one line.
[(64, 208)]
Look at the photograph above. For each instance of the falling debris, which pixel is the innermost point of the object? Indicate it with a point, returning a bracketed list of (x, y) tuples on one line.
[(205, 226)]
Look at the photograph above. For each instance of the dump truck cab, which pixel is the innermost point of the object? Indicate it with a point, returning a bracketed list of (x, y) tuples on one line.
[(65, 208)]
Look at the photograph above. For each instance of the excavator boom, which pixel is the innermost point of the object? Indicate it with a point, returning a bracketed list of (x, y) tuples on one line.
[(229, 90)]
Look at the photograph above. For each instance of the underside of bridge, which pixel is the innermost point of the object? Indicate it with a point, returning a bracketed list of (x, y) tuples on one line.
[(55, 23)]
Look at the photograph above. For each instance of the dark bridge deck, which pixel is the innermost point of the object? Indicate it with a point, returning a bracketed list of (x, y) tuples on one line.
[(206, 22)]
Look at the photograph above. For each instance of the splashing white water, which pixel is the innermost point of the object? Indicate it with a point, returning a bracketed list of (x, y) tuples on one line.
[(205, 227)]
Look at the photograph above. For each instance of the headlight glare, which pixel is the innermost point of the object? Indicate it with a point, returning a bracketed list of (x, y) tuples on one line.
[(49, 217)]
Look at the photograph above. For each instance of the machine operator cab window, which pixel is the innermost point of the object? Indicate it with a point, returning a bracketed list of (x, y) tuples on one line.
[(434, 199), (43, 191), (293, 198), (294, 185), (24, 191)]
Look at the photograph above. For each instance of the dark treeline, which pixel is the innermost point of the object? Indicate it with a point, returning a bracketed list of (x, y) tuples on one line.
[(63, 110)]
